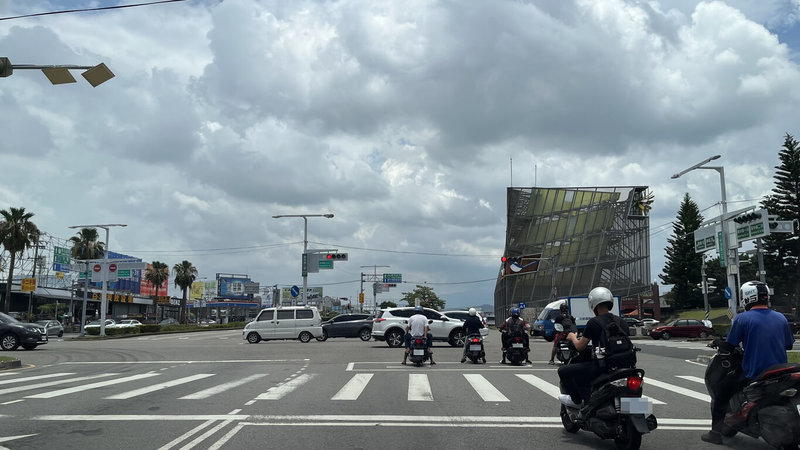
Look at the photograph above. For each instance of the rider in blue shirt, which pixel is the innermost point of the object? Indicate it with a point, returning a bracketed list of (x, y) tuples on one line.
[(765, 336)]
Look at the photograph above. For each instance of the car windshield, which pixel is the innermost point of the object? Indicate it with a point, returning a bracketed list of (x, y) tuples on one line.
[(41, 322), (5, 318), (673, 323), (94, 322)]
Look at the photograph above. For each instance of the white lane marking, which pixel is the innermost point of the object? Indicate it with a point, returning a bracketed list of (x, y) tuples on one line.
[(419, 389), (484, 388), (87, 387), (350, 367), (691, 378), (186, 435), (20, 436), (12, 402), (277, 392), (205, 435), (158, 387), (54, 383), (224, 439), (554, 391), (679, 390), (353, 389), (38, 377), (217, 361), (222, 387)]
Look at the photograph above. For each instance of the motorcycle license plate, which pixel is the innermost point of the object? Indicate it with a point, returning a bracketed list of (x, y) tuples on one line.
[(516, 345), (419, 352), (635, 405), (474, 348)]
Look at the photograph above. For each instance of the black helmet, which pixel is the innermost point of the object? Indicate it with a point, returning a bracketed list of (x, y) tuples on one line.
[(564, 308), (752, 293)]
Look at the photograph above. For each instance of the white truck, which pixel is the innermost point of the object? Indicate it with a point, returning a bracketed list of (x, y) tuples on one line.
[(578, 308)]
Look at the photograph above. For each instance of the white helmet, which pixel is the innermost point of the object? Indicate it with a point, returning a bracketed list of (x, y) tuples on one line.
[(753, 292), (472, 311), (600, 295)]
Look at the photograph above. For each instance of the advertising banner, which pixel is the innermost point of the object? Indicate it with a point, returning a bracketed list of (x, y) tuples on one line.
[(196, 292), (147, 289), (233, 288)]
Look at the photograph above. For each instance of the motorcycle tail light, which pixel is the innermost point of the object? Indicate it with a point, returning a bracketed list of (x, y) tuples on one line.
[(476, 341), (791, 392), (419, 341), (634, 383)]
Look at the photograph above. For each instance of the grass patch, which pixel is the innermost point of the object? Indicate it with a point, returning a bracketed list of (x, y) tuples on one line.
[(794, 357), (6, 358), (700, 314)]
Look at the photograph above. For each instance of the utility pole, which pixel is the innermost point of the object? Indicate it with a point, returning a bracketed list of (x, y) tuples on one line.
[(374, 278)]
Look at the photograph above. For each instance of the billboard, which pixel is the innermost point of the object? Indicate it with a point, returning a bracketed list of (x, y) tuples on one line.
[(233, 287), (196, 292), (147, 289)]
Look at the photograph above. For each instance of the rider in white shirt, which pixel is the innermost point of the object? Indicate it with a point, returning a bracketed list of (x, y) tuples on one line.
[(418, 326)]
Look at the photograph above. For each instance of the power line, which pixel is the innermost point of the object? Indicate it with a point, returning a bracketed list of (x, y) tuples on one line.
[(406, 252), (102, 8)]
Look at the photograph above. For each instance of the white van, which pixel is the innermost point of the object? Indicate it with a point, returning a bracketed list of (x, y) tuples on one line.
[(293, 322)]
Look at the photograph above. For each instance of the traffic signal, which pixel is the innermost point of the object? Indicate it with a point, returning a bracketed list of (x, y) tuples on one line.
[(744, 218), (360, 297), (336, 256)]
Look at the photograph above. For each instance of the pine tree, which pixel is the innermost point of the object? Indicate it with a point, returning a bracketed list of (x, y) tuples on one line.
[(683, 266), (783, 249)]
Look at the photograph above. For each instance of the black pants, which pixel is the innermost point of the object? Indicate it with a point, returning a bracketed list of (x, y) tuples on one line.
[(576, 379), (721, 395), (506, 337)]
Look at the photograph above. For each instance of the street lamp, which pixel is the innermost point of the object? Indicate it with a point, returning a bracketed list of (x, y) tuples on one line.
[(104, 300), (95, 75), (305, 242), (733, 266)]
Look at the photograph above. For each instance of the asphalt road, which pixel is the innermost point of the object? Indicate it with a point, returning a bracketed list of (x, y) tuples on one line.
[(212, 390)]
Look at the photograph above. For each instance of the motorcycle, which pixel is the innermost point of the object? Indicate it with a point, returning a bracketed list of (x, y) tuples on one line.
[(419, 350), (768, 407), (515, 351), (564, 348), (475, 348), (615, 410)]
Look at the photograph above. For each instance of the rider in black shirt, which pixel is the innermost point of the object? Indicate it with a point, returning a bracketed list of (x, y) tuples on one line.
[(472, 325)]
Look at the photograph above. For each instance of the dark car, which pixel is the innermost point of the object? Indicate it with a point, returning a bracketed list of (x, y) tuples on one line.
[(681, 328), (794, 322), (14, 333), (348, 325), (632, 321)]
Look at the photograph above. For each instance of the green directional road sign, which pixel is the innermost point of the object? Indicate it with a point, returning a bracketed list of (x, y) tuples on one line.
[(124, 273), (324, 264)]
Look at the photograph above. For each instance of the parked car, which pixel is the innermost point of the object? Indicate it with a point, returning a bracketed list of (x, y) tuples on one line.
[(794, 322), (207, 322), (462, 316), (293, 322), (169, 321), (348, 325), (633, 322), (96, 324), (14, 333), (128, 323), (650, 323), (390, 326), (681, 328), (52, 327)]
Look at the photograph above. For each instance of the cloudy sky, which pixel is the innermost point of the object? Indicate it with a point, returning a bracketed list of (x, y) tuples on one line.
[(403, 119)]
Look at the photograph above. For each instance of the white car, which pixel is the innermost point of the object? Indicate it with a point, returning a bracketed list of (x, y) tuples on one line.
[(128, 323), (96, 324), (390, 326), (462, 316)]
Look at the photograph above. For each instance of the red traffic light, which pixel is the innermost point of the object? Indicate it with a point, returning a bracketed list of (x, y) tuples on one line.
[(503, 259), (329, 256)]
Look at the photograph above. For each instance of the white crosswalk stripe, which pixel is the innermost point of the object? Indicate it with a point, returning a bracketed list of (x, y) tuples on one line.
[(222, 387), (353, 389), (691, 378), (31, 387), (39, 377), (419, 388), (679, 390), (484, 388), (96, 385), (159, 386), (278, 392)]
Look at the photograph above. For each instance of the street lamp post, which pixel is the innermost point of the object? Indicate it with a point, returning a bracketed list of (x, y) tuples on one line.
[(95, 75), (305, 242), (104, 300), (733, 266)]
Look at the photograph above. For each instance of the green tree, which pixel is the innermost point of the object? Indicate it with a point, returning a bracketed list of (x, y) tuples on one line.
[(682, 268), (783, 249), (85, 245), (426, 297), (387, 304), (185, 274), (17, 233), (157, 274)]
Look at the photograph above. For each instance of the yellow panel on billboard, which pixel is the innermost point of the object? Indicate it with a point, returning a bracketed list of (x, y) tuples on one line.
[(196, 292), (28, 284)]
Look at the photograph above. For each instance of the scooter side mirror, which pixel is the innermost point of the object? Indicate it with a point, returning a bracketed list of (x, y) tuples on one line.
[(558, 327)]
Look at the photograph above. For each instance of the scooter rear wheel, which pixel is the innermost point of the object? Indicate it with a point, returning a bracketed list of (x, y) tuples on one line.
[(629, 438)]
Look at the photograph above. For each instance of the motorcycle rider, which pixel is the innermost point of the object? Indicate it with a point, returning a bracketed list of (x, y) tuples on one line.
[(576, 378), (765, 336), (566, 321), (510, 326), (472, 325), (418, 326)]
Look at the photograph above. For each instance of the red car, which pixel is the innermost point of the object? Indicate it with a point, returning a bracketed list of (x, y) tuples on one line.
[(681, 328)]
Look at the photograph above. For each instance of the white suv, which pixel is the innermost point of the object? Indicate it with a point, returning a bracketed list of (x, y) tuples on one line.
[(390, 326), (462, 316)]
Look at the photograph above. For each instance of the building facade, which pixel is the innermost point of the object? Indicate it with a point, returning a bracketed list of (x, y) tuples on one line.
[(565, 241)]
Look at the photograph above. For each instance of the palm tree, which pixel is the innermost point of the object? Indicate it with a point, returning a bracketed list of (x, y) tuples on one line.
[(185, 274), (157, 275), (85, 244), (17, 233)]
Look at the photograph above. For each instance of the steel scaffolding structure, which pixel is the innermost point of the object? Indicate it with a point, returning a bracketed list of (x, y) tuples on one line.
[(565, 241)]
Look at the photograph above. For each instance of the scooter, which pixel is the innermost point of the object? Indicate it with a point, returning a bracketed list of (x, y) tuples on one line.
[(419, 350), (615, 409), (564, 348), (515, 351), (768, 407), (475, 348)]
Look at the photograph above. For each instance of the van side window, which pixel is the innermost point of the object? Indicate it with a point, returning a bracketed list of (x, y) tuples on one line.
[(265, 315), (284, 314), (554, 314), (305, 314)]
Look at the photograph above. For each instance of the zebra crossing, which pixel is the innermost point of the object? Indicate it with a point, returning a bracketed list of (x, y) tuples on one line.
[(348, 388)]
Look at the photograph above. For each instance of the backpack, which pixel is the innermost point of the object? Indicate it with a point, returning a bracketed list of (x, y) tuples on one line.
[(515, 326), (620, 352)]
